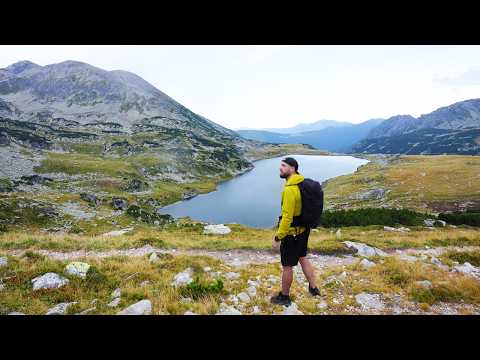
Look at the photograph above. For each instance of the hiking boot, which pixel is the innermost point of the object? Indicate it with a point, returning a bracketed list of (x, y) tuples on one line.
[(281, 299), (314, 291)]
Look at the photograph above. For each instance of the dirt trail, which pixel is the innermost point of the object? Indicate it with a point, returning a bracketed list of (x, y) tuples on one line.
[(235, 257)]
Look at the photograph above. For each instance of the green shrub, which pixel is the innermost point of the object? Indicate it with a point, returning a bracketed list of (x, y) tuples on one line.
[(371, 216), (463, 257), (197, 289), (471, 218)]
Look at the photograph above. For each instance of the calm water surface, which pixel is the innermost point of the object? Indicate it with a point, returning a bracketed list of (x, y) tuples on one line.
[(253, 199)]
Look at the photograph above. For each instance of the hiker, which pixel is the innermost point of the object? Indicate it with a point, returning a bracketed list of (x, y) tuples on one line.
[(292, 240)]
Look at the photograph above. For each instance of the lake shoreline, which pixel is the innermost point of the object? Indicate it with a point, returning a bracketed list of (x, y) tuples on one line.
[(252, 201)]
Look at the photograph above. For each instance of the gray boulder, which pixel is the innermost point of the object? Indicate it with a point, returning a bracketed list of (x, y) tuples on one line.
[(183, 278), (49, 281), (119, 204), (364, 250), (370, 301), (424, 283), (77, 268), (227, 310), (116, 293), (468, 269), (90, 198), (16, 313), (367, 263), (114, 303), (292, 310), (143, 307)]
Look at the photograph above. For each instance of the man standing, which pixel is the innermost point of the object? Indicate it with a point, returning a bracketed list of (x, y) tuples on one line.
[(292, 240)]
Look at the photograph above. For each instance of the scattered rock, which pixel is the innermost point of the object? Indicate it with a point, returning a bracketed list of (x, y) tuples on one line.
[(256, 310), (60, 309), (367, 263), (86, 311), (90, 198), (189, 313), (243, 297), (3, 261), (136, 185), (429, 222), (233, 298), (364, 250), (183, 278), (338, 234), (254, 283), (114, 303), (77, 268), (154, 258), (374, 194), (252, 291), (144, 283), (35, 180), (424, 283), (116, 293), (119, 204), (143, 307), (291, 310), (49, 281), (118, 232), (435, 261), (400, 229), (370, 301), (322, 305), (219, 229), (207, 269), (16, 313), (227, 310), (232, 275), (467, 269)]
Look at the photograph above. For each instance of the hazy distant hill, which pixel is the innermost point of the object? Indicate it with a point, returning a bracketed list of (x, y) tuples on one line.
[(339, 138)]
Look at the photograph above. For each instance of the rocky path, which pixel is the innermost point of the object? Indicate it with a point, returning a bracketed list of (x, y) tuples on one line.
[(237, 257)]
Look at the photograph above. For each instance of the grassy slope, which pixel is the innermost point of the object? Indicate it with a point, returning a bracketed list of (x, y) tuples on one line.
[(417, 182)]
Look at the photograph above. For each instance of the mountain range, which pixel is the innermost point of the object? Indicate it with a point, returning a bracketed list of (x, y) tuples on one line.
[(78, 109), (454, 129)]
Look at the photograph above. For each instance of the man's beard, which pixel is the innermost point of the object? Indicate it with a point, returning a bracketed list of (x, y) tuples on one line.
[(283, 176)]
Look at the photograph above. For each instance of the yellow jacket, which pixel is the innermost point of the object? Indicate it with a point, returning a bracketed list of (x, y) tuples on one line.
[(291, 206)]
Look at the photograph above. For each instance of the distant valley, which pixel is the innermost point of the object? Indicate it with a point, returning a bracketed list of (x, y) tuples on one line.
[(453, 129)]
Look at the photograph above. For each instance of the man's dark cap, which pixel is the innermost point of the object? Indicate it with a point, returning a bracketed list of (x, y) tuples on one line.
[(292, 162)]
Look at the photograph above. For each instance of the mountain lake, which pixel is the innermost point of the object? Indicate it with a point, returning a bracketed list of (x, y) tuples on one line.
[(254, 198)]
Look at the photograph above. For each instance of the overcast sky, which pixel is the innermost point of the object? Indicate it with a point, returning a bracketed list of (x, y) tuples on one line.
[(281, 86)]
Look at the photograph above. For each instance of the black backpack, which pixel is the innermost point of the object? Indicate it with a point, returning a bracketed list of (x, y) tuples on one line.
[(312, 204)]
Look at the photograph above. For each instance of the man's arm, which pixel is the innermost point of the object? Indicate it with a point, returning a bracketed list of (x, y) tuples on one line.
[(288, 207)]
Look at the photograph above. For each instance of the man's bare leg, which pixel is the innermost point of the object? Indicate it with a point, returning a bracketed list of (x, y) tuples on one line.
[(307, 269), (287, 278)]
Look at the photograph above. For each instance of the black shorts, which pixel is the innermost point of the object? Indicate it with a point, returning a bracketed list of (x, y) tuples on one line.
[(293, 248)]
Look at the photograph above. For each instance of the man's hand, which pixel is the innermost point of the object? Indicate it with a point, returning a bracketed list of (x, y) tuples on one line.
[(275, 243)]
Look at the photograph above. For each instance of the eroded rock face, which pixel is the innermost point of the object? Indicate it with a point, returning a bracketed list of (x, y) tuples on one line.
[(364, 250), (49, 281), (143, 307)]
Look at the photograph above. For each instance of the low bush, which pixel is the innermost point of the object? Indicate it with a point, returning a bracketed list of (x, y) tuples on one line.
[(371, 216), (197, 289), (471, 218)]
